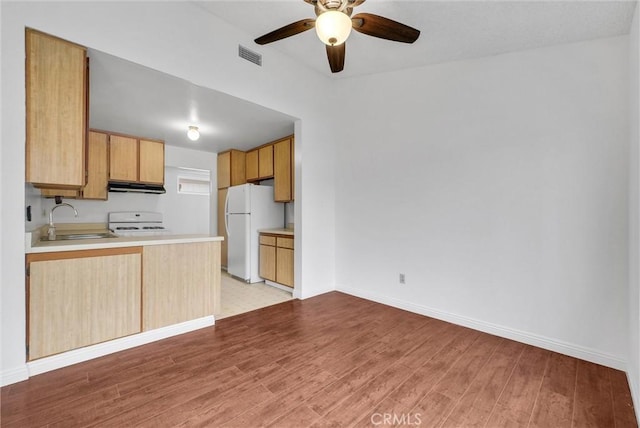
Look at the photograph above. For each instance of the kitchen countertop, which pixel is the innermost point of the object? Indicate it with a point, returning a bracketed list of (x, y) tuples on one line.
[(34, 245), (281, 231)]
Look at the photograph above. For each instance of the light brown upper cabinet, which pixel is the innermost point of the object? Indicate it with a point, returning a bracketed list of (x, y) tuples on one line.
[(123, 158), (56, 106), (133, 159), (283, 170), (231, 168), (98, 166), (252, 165), (260, 163), (97, 171), (265, 164), (151, 162)]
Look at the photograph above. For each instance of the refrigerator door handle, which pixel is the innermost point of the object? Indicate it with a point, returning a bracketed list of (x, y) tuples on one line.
[(226, 214)]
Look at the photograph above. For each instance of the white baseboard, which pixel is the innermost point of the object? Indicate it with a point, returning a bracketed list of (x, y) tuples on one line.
[(14, 375), (54, 362), (550, 344), (304, 296)]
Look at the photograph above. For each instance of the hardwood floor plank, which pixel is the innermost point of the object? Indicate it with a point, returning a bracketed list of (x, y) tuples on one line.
[(335, 393), (300, 417), (466, 368), (435, 407), (219, 413), (304, 385), (434, 368), (441, 335), (138, 407), (623, 411), (515, 405), (593, 400), (360, 403), (437, 361), (474, 408), (554, 405), (74, 412), (332, 360)]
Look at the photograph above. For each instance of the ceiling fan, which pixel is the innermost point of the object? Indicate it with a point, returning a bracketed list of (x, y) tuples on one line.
[(333, 26)]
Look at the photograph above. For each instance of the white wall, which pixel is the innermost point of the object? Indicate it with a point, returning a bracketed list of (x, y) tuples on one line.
[(178, 38), (633, 367), (499, 187)]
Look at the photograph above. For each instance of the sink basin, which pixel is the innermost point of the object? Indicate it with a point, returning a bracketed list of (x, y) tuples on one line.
[(70, 236)]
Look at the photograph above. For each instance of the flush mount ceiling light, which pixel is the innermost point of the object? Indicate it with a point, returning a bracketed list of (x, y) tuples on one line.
[(333, 26), (193, 133)]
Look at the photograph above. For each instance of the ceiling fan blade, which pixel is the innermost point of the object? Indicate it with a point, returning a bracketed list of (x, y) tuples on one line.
[(384, 28), (286, 31), (354, 3), (335, 54)]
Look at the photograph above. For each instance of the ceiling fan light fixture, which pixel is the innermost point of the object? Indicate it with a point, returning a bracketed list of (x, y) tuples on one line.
[(333, 27), (193, 133)]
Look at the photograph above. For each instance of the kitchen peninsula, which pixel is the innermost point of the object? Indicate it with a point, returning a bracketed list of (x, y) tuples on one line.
[(91, 297)]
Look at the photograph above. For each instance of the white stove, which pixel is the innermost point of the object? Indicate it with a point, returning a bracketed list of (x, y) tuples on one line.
[(137, 223)]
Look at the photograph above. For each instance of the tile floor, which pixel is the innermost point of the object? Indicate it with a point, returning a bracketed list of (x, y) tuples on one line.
[(239, 297)]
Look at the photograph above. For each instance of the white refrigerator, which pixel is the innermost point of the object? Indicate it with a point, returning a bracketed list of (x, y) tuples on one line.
[(249, 208)]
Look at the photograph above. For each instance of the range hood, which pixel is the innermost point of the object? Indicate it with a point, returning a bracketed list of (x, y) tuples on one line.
[(136, 188)]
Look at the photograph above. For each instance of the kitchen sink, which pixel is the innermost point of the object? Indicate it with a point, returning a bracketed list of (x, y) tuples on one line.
[(71, 236)]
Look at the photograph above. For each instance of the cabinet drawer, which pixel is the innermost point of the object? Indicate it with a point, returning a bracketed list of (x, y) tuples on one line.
[(268, 240), (284, 242)]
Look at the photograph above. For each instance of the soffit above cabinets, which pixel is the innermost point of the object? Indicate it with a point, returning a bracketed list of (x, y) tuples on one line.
[(129, 98)]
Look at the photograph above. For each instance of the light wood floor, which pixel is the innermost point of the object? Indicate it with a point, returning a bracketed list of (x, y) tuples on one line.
[(238, 297), (333, 360)]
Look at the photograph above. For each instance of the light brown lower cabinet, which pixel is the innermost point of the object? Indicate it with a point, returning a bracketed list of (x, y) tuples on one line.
[(276, 258), (181, 282), (80, 298), (268, 257)]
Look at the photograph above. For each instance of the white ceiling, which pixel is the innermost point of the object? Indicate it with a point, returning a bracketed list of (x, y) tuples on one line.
[(132, 99), (128, 98), (450, 30)]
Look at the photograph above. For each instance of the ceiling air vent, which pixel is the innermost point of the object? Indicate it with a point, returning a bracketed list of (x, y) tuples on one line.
[(249, 55)]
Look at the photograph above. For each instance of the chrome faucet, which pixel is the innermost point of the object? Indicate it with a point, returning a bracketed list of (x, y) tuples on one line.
[(51, 232)]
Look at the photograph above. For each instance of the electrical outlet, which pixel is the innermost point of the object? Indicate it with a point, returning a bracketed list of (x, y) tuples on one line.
[(401, 278)]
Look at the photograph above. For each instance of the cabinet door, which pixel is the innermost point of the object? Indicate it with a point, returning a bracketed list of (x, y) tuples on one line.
[(224, 170), (151, 162), (284, 266), (123, 158), (97, 172), (98, 166), (238, 165), (84, 300), (181, 282), (222, 231), (268, 262), (266, 161), (56, 111), (252, 168), (282, 171)]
